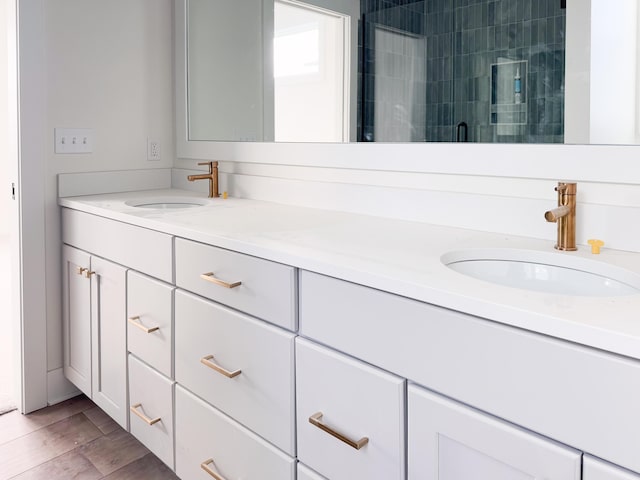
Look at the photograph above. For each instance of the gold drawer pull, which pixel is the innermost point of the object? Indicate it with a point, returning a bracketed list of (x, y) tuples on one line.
[(205, 466), (315, 420), (150, 421), (136, 322), (207, 361), (210, 277)]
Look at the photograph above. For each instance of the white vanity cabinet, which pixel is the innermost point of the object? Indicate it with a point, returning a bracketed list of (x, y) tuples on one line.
[(350, 416), (94, 330), (95, 301), (223, 384), (595, 469), (450, 441), (576, 395)]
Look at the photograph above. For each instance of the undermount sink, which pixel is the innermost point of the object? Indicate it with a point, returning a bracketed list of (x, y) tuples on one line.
[(550, 272), (166, 203)]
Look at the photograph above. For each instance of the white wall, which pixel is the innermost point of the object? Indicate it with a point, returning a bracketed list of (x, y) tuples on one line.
[(108, 67)]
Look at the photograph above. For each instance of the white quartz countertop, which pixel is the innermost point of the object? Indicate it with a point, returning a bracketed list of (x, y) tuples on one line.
[(397, 256)]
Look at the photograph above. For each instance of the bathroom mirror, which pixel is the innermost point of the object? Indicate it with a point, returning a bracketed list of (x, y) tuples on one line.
[(490, 71)]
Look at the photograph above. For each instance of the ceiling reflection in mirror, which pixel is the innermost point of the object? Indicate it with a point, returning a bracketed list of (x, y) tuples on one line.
[(383, 70)]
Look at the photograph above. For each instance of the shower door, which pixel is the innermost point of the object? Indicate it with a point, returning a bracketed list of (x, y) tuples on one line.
[(394, 78)]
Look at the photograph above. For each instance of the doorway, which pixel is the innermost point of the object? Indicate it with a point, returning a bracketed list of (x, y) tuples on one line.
[(311, 74), (10, 392)]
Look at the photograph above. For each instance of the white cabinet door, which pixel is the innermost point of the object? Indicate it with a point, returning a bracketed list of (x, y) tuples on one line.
[(594, 469), (109, 338), (76, 320), (350, 416), (449, 441), (94, 330)]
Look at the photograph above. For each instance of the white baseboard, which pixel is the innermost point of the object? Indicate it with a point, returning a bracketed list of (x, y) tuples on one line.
[(59, 388)]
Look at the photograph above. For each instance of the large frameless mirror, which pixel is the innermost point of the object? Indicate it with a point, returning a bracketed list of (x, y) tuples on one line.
[(491, 71)]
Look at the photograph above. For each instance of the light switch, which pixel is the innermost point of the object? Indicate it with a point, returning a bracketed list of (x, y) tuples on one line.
[(74, 140)]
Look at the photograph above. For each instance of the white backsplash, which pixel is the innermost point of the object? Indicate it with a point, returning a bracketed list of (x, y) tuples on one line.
[(513, 206)]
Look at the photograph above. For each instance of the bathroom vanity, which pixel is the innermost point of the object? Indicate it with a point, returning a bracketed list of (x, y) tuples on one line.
[(330, 345)]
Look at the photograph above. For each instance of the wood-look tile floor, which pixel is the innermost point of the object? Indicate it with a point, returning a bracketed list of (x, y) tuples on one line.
[(73, 440)]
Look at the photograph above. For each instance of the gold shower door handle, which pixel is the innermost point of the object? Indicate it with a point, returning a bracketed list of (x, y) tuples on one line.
[(149, 421), (316, 420), (205, 466), (214, 366), (136, 322), (210, 277)]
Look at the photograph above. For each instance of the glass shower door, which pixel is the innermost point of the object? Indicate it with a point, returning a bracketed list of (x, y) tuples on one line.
[(394, 75)]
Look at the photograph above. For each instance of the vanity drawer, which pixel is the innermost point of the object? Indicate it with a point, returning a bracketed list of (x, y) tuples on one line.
[(151, 396), (258, 287), (206, 437), (577, 395), (261, 396), (150, 321), (355, 400), (139, 248)]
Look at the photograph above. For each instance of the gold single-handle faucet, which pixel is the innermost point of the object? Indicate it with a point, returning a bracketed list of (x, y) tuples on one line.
[(565, 216), (212, 176)]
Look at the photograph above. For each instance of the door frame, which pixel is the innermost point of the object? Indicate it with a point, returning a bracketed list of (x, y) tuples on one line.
[(27, 150)]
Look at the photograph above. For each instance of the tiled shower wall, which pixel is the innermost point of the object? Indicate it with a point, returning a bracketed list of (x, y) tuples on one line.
[(464, 39), (401, 16)]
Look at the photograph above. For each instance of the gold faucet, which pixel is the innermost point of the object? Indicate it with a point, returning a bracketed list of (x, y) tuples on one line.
[(565, 216), (212, 176)]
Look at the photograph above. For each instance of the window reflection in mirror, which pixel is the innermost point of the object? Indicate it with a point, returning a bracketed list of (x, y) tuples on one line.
[(310, 98)]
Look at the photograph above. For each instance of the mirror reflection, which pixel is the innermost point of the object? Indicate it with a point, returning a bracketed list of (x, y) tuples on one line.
[(463, 70), (309, 51), (411, 70)]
